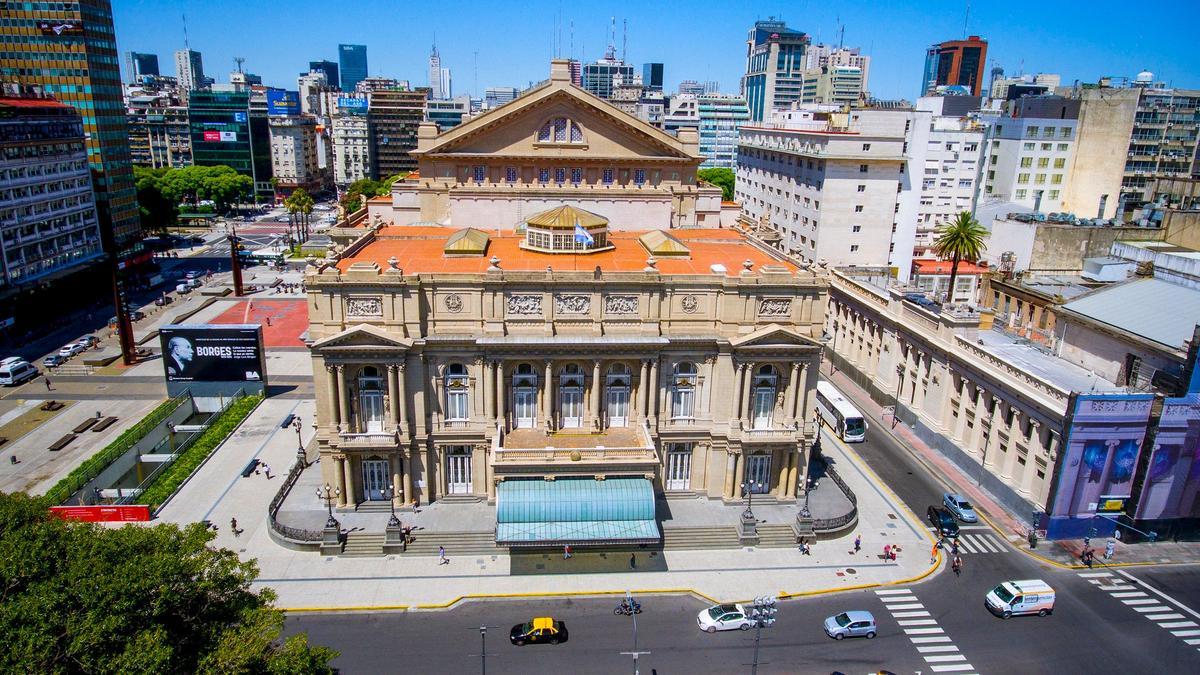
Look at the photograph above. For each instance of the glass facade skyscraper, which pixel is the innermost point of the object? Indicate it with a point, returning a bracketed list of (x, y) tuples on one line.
[(71, 54), (775, 62), (330, 69), (353, 62), (225, 132)]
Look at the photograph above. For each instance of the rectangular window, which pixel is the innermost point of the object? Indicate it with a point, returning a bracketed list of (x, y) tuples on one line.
[(1060, 162), (862, 168), (853, 248), (607, 176), (560, 130), (560, 175), (1053, 194), (856, 228), (1020, 194), (480, 173), (1027, 146), (1043, 162), (1040, 179), (510, 174), (456, 403), (1026, 162), (576, 175), (858, 208), (543, 175), (639, 176), (1062, 147), (862, 188), (1056, 179), (1031, 132), (1048, 132), (1022, 178), (1047, 146), (1064, 132), (866, 147)]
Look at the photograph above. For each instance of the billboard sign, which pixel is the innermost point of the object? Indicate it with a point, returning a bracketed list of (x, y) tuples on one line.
[(220, 136), (60, 27), (1097, 466), (103, 513), (355, 105), (239, 117), (1172, 484), (212, 136), (283, 103), (213, 353)]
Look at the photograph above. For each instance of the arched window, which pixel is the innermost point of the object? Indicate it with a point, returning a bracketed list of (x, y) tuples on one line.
[(765, 382), (683, 391), (560, 130), (370, 399), (458, 388)]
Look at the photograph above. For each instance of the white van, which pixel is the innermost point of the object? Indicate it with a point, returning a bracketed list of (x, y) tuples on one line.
[(14, 371), (1032, 596)]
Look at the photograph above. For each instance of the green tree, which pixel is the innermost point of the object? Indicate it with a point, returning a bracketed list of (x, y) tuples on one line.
[(369, 188), (720, 177), (80, 598), (157, 212), (962, 239), (301, 204)]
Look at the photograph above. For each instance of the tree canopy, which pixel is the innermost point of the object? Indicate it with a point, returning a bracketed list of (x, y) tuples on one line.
[(80, 598), (961, 239), (221, 184), (157, 212), (368, 188), (721, 177)]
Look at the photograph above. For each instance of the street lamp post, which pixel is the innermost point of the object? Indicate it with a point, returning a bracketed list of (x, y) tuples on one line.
[(748, 488), (329, 495), (899, 384), (482, 641), (331, 536), (763, 613), (301, 456), (390, 495)]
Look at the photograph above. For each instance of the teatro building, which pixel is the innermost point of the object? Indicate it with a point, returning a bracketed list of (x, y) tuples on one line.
[(549, 317)]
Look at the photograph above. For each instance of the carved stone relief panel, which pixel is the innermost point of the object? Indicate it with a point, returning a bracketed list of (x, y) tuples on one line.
[(775, 307), (525, 304), (371, 308), (621, 304)]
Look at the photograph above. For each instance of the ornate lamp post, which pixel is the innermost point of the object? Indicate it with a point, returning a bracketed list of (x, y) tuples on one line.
[(748, 535), (393, 534), (301, 456), (331, 539), (329, 495), (763, 613)]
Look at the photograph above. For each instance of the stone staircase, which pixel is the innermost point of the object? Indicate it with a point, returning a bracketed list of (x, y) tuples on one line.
[(776, 536), (456, 543), (363, 545), (373, 507), (699, 538)]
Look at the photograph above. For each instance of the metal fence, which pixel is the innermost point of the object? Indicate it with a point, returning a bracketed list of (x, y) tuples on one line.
[(296, 533), (831, 524)]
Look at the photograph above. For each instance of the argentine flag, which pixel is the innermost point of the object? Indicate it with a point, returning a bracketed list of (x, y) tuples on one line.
[(582, 236)]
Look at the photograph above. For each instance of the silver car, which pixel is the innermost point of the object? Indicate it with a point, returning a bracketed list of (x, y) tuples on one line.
[(960, 507), (850, 624)]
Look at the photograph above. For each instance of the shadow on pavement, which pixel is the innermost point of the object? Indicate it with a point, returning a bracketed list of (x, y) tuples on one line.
[(586, 562)]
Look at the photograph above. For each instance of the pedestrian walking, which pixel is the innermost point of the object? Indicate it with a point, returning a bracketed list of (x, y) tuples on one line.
[(48, 387), (267, 470), (633, 561), (566, 551), (887, 552), (895, 551), (857, 543), (443, 560), (954, 547), (933, 553), (1109, 549), (233, 526), (957, 565)]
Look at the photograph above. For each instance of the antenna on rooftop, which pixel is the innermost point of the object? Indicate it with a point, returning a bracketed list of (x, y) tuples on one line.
[(239, 60), (967, 19), (185, 37), (571, 55), (624, 38)]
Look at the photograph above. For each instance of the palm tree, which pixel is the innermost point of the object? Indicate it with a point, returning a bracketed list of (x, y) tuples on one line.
[(961, 239)]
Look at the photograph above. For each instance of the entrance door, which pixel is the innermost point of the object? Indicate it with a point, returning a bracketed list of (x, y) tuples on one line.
[(764, 405), (458, 470), (679, 470), (375, 478), (525, 403), (571, 405), (372, 411), (758, 473), (618, 406)]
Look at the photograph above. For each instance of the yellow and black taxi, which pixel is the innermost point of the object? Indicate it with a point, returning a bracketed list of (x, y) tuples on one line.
[(538, 631)]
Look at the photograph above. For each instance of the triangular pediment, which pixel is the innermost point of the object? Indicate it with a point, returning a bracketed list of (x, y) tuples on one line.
[(512, 130), (774, 335), (363, 336)]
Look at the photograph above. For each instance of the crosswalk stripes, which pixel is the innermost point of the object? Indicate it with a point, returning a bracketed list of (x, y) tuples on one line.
[(971, 542), (923, 631), (1143, 603)]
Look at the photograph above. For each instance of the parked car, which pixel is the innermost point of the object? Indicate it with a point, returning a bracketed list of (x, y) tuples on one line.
[(162, 300), (53, 361), (191, 275), (183, 289), (137, 315), (943, 521), (70, 350), (541, 630), (724, 617), (88, 341), (15, 370), (960, 507), (850, 624)]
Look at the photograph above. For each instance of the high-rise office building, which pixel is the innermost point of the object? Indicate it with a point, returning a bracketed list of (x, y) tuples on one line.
[(81, 45), (720, 118), (394, 115), (955, 63), (598, 77), (840, 85), (652, 76), (353, 65), (330, 69), (224, 132), (353, 151), (775, 62), (435, 75), (821, 55), (140, 64), (159, 135), (494, 97), (189, 70)]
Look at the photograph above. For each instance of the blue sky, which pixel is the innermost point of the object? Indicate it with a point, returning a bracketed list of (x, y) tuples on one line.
[(698, 40)]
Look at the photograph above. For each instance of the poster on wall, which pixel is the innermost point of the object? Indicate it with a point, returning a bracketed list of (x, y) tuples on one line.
[(1173, 472), (1104, 440)]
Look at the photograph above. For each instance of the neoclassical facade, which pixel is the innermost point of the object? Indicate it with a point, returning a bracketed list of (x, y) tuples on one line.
[(574, 354)]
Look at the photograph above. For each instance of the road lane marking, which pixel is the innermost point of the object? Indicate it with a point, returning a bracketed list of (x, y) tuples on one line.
[(894, 591), (1089, 575), (928, 622), (923, 631), (1143, 601), (1159, 593), (1179, 624), (917, 605), (937, 648), (1164, 617), (909, 615), (1147, 610), (951, 667), (1130, 594), (1185, 633), (922, 640), (945, 657)]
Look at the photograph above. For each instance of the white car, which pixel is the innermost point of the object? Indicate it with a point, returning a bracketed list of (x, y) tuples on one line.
[(724, 617), (70, 350)]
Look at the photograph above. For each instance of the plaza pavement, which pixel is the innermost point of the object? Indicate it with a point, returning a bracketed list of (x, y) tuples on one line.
[(305, 580)]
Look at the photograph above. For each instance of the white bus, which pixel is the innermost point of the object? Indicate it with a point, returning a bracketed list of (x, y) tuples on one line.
[(840, 414)]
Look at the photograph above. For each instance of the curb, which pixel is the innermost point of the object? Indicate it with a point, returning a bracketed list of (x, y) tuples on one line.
[(498, 596)]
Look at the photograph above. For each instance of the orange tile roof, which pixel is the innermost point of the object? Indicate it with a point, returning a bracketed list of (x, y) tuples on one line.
[(943, 267), (381, 198), (419, 251)]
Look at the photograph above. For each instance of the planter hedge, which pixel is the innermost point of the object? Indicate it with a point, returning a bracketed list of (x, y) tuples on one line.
[(170, 479), (98, 462)]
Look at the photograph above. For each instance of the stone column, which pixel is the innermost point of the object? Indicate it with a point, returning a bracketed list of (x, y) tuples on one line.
[(406, 468), (730, 468), (393, 394), (489, 473), (975, 447), (781, 473), (960, 428), (643, 389), (339, 479), (739, 475), (654, 386), (489, 392), (343, 400), (432, 472), (793, 472), (397, 486), (595, 392), (501, 396), (401, 395), (1035, 448), (351, 483), (548, 396), (747, 392), (789, 412), (331, 385), (1014, 435)]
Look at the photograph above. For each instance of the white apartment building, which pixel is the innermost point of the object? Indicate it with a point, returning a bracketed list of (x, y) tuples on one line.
[(1030, 152), (313, 87), (835, 186), (947, 146), (821, 55), (294, 154), (351, 138)]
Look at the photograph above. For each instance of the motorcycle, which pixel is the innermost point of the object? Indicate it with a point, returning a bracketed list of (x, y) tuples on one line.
[(625, 609)]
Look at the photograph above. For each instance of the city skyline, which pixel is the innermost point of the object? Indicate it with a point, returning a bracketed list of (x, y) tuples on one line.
[(512, 50)]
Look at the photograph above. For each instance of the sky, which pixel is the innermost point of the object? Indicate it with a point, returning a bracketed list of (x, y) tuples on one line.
[(489, 44)]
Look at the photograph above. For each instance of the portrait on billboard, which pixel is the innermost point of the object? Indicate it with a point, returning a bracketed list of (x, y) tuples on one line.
[(179, 356), (204, 353)]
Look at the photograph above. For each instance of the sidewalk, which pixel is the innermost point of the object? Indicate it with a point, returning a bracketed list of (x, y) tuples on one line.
[(1064, 553), (305, 580)]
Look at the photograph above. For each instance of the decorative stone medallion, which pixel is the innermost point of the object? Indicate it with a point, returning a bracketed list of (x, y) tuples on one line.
[(365, 307), (572, 304), (690, 304), (621, 304), (775, 307), (525, 305), (454, 303)]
